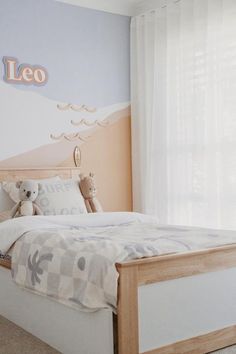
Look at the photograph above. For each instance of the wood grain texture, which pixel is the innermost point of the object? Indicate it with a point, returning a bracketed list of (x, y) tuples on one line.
[(201, 344), (127, 312), (174, 266), (5, 263), (18, 174)]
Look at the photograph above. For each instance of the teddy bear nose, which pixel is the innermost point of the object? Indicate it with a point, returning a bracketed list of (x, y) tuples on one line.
[(28, 194)]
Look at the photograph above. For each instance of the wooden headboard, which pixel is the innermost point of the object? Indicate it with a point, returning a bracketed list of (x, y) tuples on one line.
[(18, 174)]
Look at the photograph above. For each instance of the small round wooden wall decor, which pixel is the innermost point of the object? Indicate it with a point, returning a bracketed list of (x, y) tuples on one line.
[(77, 156)]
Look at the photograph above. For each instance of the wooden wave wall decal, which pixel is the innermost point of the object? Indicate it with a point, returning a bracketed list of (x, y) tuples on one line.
[(69, 137), (76, 108), (83, 121)]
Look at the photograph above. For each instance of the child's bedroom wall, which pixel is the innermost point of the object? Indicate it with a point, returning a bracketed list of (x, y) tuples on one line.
[(64, 82)]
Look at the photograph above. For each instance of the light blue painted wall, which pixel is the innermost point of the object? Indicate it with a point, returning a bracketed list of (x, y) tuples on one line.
[(86, 52)]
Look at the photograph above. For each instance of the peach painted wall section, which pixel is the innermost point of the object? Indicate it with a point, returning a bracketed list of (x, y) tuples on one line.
[(108, 155)]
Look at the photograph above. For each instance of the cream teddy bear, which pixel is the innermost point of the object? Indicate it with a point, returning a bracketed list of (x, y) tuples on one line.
[(28, 192)]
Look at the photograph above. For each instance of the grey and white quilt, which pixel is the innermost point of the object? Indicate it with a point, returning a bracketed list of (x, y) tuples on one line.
[(72, 258)]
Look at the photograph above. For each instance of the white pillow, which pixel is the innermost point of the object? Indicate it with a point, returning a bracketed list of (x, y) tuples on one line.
[(61, 197), (13, 192), (5, 215), (6, 203)]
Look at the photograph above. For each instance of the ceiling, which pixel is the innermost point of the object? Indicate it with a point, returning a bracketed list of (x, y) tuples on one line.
[(122, 7)]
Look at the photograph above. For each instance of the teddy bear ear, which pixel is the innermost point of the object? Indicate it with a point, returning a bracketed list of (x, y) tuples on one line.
[(18, 184), (91, 174)]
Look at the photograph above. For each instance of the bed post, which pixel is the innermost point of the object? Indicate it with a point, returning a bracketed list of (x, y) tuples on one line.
[(127, 313)]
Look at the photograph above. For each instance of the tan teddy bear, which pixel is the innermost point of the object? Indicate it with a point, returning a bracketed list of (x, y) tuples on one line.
[(89, 191)]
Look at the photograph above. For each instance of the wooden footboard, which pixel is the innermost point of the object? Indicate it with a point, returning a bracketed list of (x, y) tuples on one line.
[(162, 268)]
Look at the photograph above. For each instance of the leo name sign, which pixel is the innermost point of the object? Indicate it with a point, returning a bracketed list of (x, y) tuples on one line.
[(25, 74)]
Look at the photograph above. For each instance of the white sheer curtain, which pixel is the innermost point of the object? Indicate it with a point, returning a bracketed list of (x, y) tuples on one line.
[(184, 112)]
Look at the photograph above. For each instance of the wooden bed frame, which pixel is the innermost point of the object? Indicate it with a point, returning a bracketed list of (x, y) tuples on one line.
[(163, 268), (149, 271)]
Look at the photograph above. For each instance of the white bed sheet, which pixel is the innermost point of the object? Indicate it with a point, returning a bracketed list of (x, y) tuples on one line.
[(11, 230)]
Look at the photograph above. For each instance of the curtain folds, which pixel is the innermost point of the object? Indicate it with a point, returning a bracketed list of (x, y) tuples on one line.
[(183, 74)]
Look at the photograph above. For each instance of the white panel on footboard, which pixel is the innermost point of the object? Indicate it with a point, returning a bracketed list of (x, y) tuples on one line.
[(68, 330), (175, 310)]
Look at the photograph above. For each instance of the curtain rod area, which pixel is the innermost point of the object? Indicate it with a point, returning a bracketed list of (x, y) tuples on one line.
[(156, 8)]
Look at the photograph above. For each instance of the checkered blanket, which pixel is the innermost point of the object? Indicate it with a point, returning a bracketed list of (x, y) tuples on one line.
[(74, 263)]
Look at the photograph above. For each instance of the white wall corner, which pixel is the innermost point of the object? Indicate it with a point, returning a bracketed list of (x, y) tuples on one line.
[(121, 7)]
